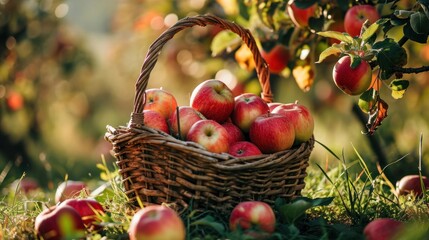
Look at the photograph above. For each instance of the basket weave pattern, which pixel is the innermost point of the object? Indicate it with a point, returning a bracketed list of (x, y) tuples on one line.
[(158, 168)]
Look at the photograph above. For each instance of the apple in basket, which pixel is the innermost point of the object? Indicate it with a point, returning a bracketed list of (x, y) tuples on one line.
[(160, 100), (59, 222), (70, 189), (209, 134), (155, 120), (213, 99), (156, 222), (272, 132), (244, 149), (247, 107), (255, 218), (301, 119), (235, 134), (187, 117)]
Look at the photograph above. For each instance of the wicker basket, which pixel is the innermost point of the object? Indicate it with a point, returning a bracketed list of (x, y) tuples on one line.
[(158, 168)]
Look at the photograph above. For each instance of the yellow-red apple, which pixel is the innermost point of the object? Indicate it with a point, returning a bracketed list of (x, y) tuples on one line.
[(253, 214), (352, 81), (209, 134), (89, 209), (213, 99), (156, 222), (155, 120), (382, 229), (70, 189), (187, 117), (235, 134), (247, 107), (160, 100), (411, 184)]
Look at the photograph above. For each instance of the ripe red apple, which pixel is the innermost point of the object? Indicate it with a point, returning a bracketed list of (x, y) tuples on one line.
[(356, 16), (273, 105), (382, 229), (272, 132), (352, 81), (277, 58), (247, 108), (244, 149), (188, 116), (301, 119), (70, 189), (59, 222), (411, 184), (300, 16), (155, 120), (255, 214), (89, 210), (25, 185), (235, 134), (156, 222), (213, 99), (209, 134), (160, 100)]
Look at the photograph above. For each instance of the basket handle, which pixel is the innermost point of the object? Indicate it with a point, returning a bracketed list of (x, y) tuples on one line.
[(200, 20)]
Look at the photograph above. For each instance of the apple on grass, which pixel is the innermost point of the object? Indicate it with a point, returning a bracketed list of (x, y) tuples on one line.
[(187, 117), (59, 222), (209, 134), (161, 101), (272, 132), (155, 120), (89, 209), (411, 184), (247, 107), (357, 15), (352, 80), (244, 149), (156, 222), (253, 217), (235, 134), (301, 119), (70, 189), (382, 229), (25, 185), (213, 99), (300, 16)]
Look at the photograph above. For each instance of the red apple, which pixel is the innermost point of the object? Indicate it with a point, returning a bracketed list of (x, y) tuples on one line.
[(156, 222), (160, 100), (382, 229), (70, 189), (272, 132), (356, 16), (89, 210), (300, 16), (352, 81), (411, 184), (15, 100), (254, 214), (188, 116), (155, 120), (244, 149), (209, 134), (277, 58), (235, 134), (301, 119), (25, 185), (213, 99), (247, 108), (59, 222)]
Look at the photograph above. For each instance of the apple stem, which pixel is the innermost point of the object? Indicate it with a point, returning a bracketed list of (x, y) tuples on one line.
[(296, 101), (178, 123)]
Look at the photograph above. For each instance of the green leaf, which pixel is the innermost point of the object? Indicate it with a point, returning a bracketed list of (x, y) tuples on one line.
[(398, 87), (370, 31), (344, 37), (368, 100), (355, 61), (303, 4), (389, 55), (294, 210), (414, 36), (225, 41), (419, 23), (333, 50), (210, 221), (403, 14)]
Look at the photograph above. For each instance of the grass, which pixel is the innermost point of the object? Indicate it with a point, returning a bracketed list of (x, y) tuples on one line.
[(337, 203)]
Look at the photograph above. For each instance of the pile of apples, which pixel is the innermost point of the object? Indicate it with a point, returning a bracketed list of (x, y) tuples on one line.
[(243, 125)]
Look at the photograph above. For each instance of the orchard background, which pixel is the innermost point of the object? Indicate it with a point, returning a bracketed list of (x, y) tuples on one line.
[(68, 71)]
